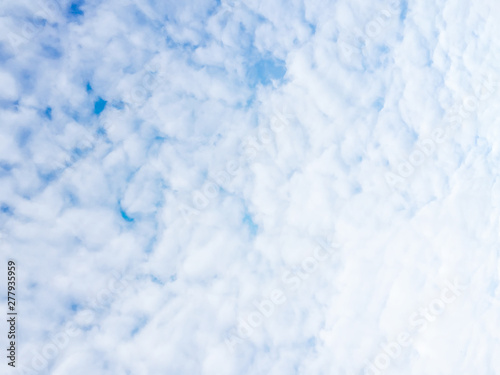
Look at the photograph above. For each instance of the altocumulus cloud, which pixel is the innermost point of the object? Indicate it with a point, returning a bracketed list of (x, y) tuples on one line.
[(114, 116)]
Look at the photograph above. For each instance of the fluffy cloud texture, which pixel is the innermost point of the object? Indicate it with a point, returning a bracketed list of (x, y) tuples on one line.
[(255, 187)]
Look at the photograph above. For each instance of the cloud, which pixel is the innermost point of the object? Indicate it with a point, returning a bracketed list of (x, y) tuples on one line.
[(200, 148)]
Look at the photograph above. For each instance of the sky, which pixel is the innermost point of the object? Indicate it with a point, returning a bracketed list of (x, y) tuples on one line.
[(251, 187)]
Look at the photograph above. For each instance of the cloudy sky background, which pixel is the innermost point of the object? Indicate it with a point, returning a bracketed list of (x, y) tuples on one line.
[(167, 165)]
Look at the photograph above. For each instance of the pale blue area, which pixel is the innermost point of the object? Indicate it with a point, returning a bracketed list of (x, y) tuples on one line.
[(172, 44), (124, 214), (383, 49), (4, 54), (78, 153), (404, 10), (312, 27), (48, 113), (493, 287), (150, 246), (51, 52), (74, 9), (140, 325), (118, 105), (47, 177), (248, 221), (141, 18), (5, 169), (73, 114), (23, 137), (4, 208), (379, 104), (72, 199), (99, 106), (38, 22), (266, 70), (12, 105), (155, 280), (101, 132), (357, 189)]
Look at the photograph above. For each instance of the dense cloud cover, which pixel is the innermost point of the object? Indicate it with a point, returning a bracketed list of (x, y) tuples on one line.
[(255, 187)]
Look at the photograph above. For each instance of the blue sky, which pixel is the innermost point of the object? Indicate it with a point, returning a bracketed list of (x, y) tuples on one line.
[(224, 187)]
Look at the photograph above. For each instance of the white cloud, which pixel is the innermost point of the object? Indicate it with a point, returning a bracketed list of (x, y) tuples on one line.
[(275, 124)]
